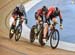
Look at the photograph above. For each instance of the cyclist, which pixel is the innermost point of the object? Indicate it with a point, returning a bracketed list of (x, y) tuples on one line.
[(40, 15), (18, 11), (52, 13)]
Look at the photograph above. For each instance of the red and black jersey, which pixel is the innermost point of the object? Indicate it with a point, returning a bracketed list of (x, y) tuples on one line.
[(52, 13), (38, 13), (17, 12)]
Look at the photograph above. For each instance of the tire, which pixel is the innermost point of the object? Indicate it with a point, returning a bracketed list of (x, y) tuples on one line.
[(18, 33), (11, 34), (32, 33), (41, 38), (53, 36)]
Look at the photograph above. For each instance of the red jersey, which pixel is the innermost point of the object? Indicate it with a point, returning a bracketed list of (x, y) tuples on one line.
[(39, 12), (53, 13)]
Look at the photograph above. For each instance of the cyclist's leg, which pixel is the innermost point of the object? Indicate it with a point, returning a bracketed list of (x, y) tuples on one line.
[(14, 23), (38, 20), (21, 16), (54, 22), (22, 19), (45, 31)]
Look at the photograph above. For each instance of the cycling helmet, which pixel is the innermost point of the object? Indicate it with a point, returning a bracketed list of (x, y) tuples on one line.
[(17, 8), (56, 8), (57, 11), (44, 8)]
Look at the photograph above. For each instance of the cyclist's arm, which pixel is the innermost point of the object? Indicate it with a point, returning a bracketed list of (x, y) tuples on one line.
[(60, 16), (25, 13), (36, 15), (13, 14)]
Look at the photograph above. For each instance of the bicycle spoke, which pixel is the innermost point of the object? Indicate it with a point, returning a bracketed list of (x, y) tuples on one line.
[(54, 39)]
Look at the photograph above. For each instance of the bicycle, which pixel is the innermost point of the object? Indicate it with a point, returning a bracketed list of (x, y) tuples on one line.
[(54, 37), (37, 33), (17, 30)]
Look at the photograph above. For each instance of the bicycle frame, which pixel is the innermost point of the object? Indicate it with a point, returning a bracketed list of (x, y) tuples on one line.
[(18, 20), (50, 30)]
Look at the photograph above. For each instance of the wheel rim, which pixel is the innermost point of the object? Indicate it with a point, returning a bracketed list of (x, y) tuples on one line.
[(11, 33), (41, 38), (18, 33), (32, 35), (54, 39)]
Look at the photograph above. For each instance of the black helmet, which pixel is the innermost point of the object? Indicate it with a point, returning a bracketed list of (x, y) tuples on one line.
[(17, 8), (56, 8), (44, 8)]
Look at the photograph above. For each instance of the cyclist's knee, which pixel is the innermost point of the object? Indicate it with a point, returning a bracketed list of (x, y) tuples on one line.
[(14, 23), (45, 26), (54, 20), (51, 26), (22, 19), (39, 18)]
